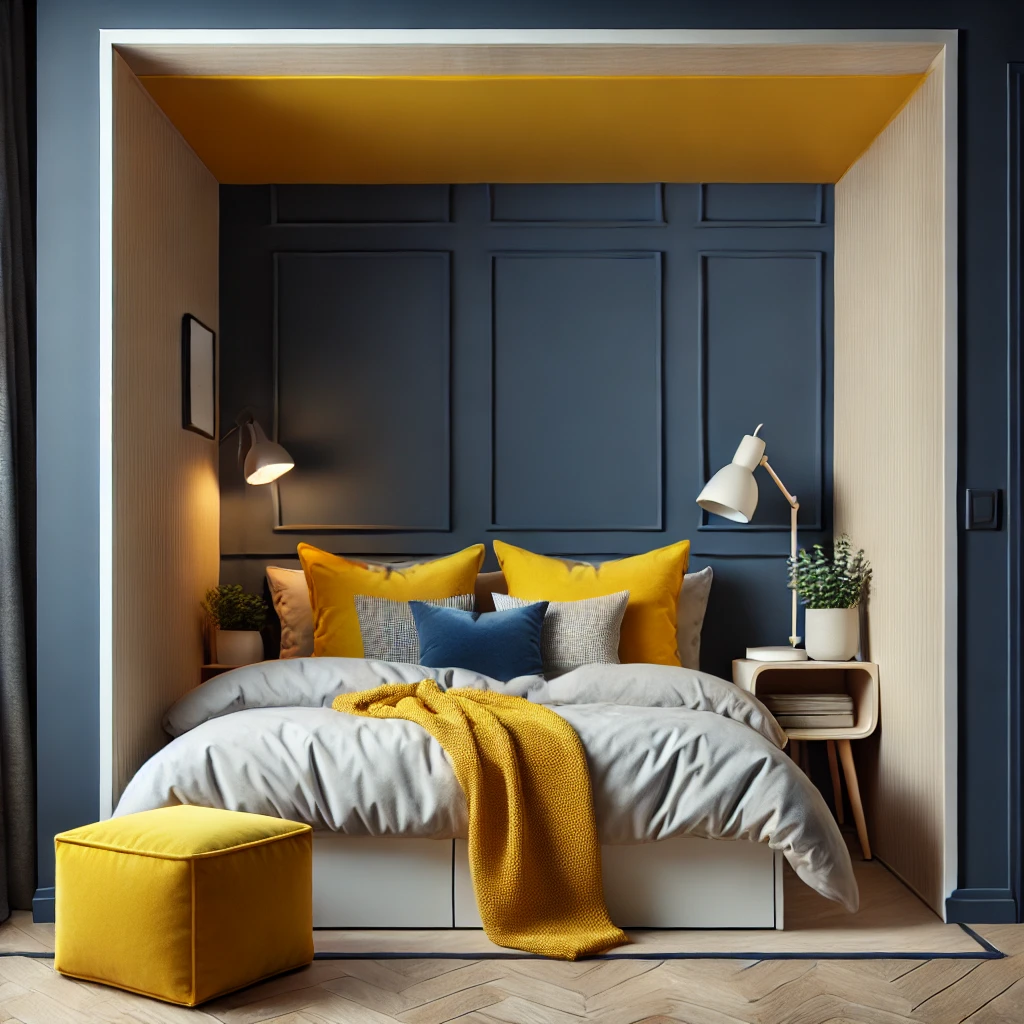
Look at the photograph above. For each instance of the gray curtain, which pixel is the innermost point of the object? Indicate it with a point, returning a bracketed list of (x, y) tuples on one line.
[(17, 468)]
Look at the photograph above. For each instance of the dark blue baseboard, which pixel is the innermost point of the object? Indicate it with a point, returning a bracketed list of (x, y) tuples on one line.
[(965, 906), (981, 906), (44, 905)]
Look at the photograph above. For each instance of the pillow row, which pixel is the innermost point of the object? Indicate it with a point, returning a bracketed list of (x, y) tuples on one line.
[(292, 603), (658, 623), (569, 633)]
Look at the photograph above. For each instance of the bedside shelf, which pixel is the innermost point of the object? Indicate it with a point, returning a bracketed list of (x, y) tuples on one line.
[(212, 669), (857, 678)]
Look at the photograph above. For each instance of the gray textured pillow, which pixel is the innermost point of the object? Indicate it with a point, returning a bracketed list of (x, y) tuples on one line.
[(389, 629), (576, 632)]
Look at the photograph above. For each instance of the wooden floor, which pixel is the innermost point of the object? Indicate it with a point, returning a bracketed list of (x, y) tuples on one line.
[(546, 992), (713, 991)]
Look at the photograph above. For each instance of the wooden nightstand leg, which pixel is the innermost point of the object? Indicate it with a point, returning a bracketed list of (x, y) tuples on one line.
[(837, 789), (850, 771), (794, 752)]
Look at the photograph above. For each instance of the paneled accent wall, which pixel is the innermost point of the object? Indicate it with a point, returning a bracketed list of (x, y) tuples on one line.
[(562, 407), (890, 426), (166, 520), (356, 331), (561, 366)]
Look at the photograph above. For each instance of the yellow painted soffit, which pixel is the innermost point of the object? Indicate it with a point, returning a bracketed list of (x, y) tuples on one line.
[(256, 130)]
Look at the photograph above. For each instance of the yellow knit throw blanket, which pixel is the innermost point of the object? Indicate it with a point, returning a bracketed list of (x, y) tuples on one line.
[(533, 848)]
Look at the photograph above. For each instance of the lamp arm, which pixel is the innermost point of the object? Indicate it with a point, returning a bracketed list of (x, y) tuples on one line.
[(794, 506), (244, 418), (791, 498)]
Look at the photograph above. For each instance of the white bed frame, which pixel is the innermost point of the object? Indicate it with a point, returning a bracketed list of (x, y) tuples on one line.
[(425, 883)]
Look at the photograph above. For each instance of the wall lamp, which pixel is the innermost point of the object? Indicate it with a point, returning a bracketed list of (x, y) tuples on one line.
[(261, 459)]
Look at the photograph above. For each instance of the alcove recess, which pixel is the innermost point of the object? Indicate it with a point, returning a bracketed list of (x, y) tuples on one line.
[(179, 118)]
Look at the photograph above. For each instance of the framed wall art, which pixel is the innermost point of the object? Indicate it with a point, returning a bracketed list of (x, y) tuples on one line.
[(198, 377)]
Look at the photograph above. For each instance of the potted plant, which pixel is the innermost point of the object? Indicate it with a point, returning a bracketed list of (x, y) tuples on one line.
[(831, 588), (238, 618)]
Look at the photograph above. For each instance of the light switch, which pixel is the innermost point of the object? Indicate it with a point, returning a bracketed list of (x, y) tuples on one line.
[(982, 512)]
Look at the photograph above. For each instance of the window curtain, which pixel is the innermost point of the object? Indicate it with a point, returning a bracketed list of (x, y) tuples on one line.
[(17, 468)]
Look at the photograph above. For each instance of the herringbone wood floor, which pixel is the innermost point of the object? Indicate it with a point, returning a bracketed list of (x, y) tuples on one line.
[(545, 992), (431, 991)]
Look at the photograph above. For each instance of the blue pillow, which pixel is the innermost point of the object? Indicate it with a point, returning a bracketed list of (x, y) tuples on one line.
[(501, 645)]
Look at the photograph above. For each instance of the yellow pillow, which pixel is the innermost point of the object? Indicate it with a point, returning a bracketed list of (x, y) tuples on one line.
[(334, 581), (654, 580)]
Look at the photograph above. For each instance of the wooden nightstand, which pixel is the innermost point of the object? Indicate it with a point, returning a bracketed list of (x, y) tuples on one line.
[(214, 669), (859, 679)]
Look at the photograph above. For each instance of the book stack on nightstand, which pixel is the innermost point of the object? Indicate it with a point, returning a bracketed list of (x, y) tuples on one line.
[(811, 710)]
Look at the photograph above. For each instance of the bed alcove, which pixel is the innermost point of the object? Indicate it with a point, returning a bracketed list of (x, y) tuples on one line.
[(174, 107)]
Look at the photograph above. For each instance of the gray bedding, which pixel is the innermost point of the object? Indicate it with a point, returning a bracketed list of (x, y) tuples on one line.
[(671, 752)]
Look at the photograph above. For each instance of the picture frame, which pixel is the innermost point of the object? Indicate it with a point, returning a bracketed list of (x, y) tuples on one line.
[(198, 377)]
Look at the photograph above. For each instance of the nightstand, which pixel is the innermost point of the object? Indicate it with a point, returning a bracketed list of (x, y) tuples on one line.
[(859, 679), (214, 669)]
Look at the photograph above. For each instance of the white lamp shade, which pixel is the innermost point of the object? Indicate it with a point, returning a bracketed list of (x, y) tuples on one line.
[(266, 460), (731, 493)]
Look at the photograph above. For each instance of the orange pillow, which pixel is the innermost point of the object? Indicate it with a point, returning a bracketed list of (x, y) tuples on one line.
[(334, 581), (650, 626)]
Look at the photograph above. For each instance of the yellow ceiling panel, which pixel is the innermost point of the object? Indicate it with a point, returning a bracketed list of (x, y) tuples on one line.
[(255, 130)]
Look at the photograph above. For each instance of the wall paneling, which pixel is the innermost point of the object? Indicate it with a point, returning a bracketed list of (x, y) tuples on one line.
[(558, 365)]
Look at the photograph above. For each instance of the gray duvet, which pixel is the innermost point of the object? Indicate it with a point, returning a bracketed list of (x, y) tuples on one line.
[(671, 752)]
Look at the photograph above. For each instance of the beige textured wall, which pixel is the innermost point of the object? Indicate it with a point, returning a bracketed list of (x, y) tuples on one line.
[(166, 499), (889, 460)]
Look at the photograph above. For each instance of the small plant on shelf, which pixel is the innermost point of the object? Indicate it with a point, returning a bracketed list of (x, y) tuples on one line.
[(838, 580), (231, 608)]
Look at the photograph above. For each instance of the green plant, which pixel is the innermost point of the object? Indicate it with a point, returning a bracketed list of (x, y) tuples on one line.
[(838, 580), (231, 607)]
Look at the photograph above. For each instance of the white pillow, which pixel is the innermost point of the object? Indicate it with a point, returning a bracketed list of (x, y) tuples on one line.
[(693, 603), (290, 595)]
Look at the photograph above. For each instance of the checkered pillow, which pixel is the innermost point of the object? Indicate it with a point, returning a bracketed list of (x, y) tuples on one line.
[(577, 632), (389, 630)]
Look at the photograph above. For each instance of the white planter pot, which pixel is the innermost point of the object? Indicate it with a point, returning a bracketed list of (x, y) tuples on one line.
[(239, 646), (832, 634)]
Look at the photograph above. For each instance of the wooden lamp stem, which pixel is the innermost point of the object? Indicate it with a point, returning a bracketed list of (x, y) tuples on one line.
[(794, 506)]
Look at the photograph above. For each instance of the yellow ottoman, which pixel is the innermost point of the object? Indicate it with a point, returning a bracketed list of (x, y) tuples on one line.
[(184, 903)]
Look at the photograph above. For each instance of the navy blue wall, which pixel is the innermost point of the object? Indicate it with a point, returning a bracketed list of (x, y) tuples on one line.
[(68, 243), (561, 366)]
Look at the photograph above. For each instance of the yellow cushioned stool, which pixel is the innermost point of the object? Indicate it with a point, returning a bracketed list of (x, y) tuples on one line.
[(184, 903)]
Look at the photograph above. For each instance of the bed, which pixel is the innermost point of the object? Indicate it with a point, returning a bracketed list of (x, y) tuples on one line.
[(696, 802)]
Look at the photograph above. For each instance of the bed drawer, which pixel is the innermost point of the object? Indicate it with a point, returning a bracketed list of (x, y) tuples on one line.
[(677, 883), (381, 883)]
